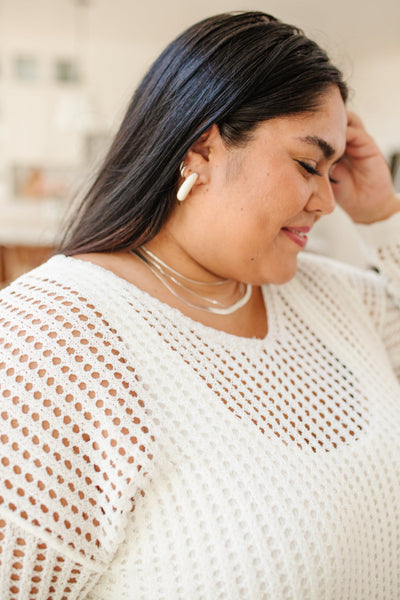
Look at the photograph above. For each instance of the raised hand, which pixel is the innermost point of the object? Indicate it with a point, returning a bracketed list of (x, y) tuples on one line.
[(364, 188)]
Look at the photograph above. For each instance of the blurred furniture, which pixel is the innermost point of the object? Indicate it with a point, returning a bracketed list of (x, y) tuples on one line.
[(28, 235), (17, 259)]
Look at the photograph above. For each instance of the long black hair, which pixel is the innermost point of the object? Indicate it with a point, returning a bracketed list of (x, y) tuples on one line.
[(233, 69)]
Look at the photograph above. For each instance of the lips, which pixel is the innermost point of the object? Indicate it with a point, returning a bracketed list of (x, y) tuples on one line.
[(298, 235)]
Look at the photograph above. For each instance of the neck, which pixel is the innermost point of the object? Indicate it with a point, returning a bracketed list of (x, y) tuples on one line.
[(222, 296)]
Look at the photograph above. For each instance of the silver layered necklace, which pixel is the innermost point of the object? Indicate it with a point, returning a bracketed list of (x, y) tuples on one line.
[(171, 279)]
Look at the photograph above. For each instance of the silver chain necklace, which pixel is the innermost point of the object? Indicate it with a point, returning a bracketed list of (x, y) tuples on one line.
[(169, 277)]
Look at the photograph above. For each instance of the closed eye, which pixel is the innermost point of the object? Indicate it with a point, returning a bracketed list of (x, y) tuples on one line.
[(309, 168), (313, 171)]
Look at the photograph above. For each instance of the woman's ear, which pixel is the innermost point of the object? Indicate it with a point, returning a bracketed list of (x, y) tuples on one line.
[(203, 149), (196, 168)]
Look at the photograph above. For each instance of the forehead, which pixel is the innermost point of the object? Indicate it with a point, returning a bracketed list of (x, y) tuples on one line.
[(324, 127)]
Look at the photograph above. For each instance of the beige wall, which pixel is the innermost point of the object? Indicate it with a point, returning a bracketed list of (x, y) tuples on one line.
[(376, 84)]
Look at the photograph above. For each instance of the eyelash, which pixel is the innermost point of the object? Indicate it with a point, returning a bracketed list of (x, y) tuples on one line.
[(314, 171)]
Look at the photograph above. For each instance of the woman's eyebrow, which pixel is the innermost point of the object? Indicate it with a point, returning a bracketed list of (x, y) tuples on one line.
[(323, 145)]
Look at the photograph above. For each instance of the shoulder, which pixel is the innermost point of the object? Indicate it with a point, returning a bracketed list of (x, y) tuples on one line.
[(67, 292), (60, 317), (338, 272), (60, 276), (59, 301), (341, 288)]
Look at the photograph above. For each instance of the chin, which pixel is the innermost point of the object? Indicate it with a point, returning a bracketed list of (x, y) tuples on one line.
[(279, 275)]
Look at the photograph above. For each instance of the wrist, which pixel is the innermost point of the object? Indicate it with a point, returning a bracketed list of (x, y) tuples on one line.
[(383, 212)]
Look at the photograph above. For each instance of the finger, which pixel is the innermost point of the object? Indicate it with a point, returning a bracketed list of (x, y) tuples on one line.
[(340, 170), (356, 138), (356, 134), (354, 120), (358, 142)]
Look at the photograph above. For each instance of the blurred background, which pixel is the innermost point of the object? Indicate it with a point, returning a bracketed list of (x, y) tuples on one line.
[(68, 69)]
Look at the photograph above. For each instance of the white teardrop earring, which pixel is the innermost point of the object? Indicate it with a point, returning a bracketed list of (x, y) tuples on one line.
[(186, 187)]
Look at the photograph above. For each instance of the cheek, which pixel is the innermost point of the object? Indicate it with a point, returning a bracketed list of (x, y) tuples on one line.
[(251, 210)]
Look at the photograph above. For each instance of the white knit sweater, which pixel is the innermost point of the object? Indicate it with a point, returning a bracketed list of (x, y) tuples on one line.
[(146, 456)]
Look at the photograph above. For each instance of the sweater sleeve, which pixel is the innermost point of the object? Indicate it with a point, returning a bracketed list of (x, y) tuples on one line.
[(382, 248), (75, 445), (32, 568)]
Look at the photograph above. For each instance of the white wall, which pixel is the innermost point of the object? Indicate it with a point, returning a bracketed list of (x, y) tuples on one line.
[(376, 84)]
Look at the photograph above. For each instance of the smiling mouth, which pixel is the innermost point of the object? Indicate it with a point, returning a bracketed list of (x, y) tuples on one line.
[(298, 235)]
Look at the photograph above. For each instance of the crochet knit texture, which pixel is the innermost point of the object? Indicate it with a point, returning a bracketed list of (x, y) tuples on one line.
[(146, 456)]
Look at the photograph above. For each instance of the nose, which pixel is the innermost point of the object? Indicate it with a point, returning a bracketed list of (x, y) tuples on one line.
[(322, 199)]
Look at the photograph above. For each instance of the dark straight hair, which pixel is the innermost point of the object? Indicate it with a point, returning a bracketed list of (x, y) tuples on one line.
[(233, 69)]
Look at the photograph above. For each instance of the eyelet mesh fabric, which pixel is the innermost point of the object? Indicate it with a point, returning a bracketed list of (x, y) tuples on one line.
[(74, 439), (144, 455)]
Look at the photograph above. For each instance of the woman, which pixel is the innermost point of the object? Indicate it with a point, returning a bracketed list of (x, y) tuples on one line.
[(193, 408)]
